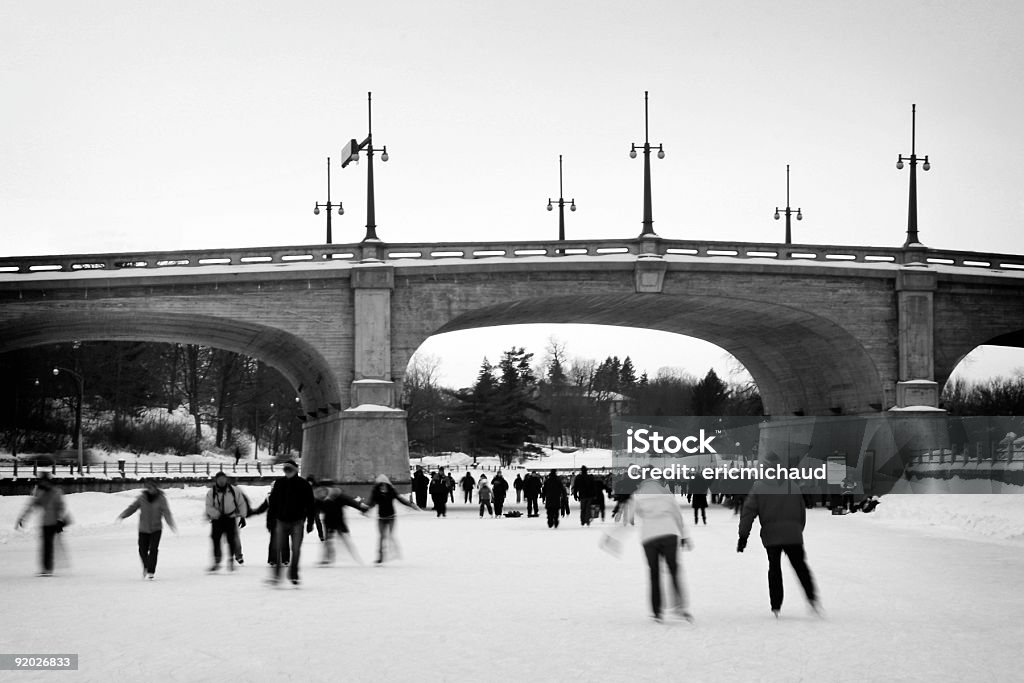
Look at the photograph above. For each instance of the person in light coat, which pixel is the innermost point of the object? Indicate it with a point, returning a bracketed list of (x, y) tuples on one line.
[(662, 534), (153, 509)]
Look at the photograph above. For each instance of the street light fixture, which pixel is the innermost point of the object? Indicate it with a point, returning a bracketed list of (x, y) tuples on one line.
[(648, 230), (350, 153), (78, 410), (328, 205), (789, 212), (561, 204), (912, 238)]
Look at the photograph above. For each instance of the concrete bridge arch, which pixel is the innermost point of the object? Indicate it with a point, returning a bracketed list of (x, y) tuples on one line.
[(300, 364), (802, 363)]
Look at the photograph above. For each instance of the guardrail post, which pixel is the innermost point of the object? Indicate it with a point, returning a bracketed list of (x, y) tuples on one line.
[(259, 468), (15, 468), (104, 469)]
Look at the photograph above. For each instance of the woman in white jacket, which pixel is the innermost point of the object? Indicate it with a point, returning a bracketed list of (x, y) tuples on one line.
[(662, 534)]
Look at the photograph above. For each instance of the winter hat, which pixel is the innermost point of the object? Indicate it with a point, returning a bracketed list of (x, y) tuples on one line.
[(291, 463), (219, 475), (382, 479)]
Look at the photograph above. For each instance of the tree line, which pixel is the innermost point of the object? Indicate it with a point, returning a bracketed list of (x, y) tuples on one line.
[(558, 401), (129, 391)]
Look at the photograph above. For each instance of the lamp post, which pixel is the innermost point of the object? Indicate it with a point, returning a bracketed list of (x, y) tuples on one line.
[(561, 204), (78, 410), (350, 153), (328, 205), (648, 230), (789, 212), (912, 238)]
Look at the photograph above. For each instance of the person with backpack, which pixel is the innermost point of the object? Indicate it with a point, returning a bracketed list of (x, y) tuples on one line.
[(484, 491), (153, 508), (49, 499), (225, 505)]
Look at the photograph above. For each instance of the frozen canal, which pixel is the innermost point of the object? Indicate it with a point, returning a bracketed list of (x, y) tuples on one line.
[(510, 600)]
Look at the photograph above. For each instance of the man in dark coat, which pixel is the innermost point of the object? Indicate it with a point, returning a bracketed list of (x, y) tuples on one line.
[(554, 493), (420, 484), (499, 489), (583, 489), (439, 494), (531, 489), (291, 505), (782, 515), (468, 484), (518, 486)]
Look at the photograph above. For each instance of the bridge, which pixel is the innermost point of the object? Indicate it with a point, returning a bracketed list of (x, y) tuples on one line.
[(823, 330)]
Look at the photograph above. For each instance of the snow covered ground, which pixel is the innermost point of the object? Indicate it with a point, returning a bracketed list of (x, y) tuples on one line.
[(923, 589)]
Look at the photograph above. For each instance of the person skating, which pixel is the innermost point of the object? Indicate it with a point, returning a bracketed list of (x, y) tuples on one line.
[(484, 493), (532, 487), (439, 494), (291, 505), (449, 482), (699, 499), (583, 490), (662, 534), (330, 505), (383, 497), (225, 505), (468, 483), (499, 489), (554, 492), (49, 499), (420, 484), (782, 515), (153, 509), (517, 484)]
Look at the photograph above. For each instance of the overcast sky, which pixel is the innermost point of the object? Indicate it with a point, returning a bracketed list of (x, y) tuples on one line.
[(149, 126)]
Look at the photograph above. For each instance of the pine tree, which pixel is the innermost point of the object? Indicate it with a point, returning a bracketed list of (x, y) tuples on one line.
[(710, 395)]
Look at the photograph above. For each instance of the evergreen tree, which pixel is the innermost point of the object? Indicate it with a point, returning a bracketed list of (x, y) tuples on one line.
[(627, 377), (710, 395)]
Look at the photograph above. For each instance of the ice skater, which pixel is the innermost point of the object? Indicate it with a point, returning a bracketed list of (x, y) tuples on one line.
[(291, 505), (662, 534), (225, 505), (330, 503), (484, 493), (153, 509), (383, 497), (554, 493), (782, 515), (49, 498)]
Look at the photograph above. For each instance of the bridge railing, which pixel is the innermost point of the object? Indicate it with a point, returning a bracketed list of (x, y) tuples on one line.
[(320, 254)]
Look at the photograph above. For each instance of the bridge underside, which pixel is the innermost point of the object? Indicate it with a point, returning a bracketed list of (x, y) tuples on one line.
[(802, 363), (294, 358)]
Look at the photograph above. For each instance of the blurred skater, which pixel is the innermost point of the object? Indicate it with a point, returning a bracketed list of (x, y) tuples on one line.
[(662, 534), (468, 483), (517, 484), (153, 509), (330, 505), (383, 497), (49, 498)]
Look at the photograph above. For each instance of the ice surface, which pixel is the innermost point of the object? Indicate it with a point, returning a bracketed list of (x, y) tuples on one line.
[(920, 590)]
